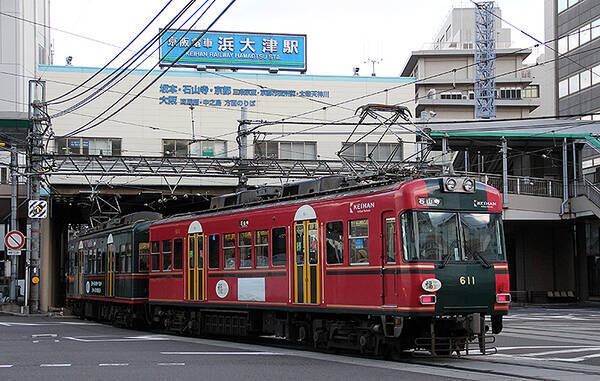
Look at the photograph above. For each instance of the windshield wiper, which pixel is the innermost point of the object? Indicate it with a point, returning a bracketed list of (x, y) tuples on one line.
[(483, 261), (445, 260)]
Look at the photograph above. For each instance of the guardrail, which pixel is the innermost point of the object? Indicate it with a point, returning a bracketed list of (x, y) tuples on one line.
[(531, 186)]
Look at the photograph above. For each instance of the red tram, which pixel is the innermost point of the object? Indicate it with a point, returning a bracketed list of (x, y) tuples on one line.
[(409, 265)]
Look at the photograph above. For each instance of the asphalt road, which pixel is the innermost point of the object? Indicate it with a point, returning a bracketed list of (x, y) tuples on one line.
[(561, 344)]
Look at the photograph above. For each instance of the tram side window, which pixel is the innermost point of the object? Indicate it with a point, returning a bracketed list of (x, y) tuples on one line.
[(279, 255), (407, 236), (155, 256), (390, 240), (213, 251), (229, 251), (123, 258), (166, 255), (261, 244), (334, 242), (96, 261), (245, 245), (143, 256), (177, 254), (128, 255), (118, 260), (358, 241)]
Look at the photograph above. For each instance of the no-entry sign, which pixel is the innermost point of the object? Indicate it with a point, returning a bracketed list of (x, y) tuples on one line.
[(14, 240)]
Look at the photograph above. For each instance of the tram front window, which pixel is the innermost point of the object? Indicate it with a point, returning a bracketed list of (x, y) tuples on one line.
[(483, 236), (434, 236), (437, 235)]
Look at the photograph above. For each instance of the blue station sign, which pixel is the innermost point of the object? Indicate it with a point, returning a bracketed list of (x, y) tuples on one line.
[(234, 50)]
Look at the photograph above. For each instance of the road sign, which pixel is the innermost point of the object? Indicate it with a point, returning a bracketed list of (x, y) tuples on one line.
[(38, 209), (14, 240), (13, 252)]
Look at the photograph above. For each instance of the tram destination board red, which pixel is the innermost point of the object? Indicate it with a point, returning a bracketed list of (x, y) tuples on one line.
[(14, 240)]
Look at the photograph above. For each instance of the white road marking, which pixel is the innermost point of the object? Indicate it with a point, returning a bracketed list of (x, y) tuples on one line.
[(224, 353), (574, 359), (171, 364), (123, 364), (16, 324), (45, 335), (588, 349), (6, 366), (122, 339), (542, 347), (55, 365)]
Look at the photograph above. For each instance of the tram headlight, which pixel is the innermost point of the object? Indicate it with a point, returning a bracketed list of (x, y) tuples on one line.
[(450, 184), (468, 185)]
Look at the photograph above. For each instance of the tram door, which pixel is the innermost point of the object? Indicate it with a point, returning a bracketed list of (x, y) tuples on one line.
[(80, 269), (195, 263), (307, 285), (110, 267), (388, 260)]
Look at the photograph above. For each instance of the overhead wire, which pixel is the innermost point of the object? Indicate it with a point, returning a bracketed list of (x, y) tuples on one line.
[(54, 100), (114, 80), (89, 124)]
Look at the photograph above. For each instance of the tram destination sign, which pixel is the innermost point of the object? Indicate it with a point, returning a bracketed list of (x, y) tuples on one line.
[(233, 50)]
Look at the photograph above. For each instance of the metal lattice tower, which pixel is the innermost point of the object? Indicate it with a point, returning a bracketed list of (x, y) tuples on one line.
[(485, 61)]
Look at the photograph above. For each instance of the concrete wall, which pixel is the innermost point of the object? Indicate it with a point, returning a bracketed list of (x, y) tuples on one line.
[(22, 46)]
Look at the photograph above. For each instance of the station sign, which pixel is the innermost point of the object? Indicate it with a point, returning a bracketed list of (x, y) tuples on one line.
[(233, 50)]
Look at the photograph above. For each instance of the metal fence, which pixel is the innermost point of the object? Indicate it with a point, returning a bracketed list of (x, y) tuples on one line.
[(532, 186)]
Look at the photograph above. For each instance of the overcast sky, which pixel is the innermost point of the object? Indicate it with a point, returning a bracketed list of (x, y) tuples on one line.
[(341, 34)]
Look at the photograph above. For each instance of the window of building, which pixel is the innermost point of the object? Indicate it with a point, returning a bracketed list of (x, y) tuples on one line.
[(155, 255), (213, 251), (574, 84), (279, 255), (584, 34), (88, 146), (334, 242), (166, 255), (563, 45), (3, 175), (595, 29), (563, 88), (585, 79), (358, 241), (573, 40), (454, 96), (245, 248), (510, 93), (381, 152), (531, 91), (208, 148), (178, 254), (595, 75), (562, 5), (143, 256), (261, 248), (229, 251), (286, 150), (175, 148)]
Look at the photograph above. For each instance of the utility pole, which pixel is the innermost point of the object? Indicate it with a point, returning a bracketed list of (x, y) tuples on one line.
[(242, 136), (36, 89), (485, 61), (14, 188)]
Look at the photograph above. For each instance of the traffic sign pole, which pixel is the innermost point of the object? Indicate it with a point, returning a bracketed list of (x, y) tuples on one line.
[(14, 179)]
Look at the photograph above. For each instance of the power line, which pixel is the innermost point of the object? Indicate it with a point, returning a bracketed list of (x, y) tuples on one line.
[(125, 66), (87, 125), (55, 100)]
